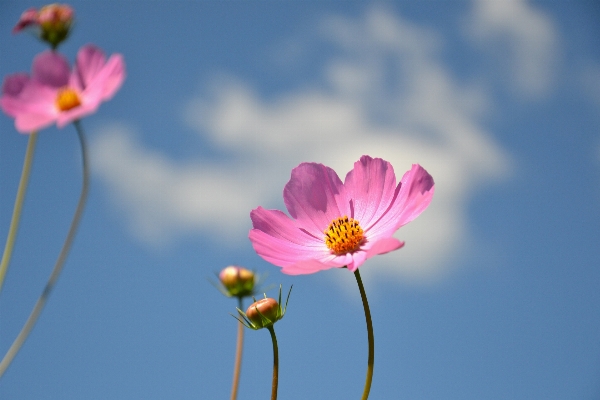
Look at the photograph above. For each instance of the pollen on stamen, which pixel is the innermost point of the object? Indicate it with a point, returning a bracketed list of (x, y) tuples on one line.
[(344, 235), (67, 99)]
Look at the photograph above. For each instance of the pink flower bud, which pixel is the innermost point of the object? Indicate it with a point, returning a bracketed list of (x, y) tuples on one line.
[(264, 312), (53, 22), (238, 281), (55, 16)]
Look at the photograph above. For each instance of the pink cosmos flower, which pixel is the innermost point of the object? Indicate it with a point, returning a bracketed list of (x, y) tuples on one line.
[(54, 93), (337, 224)]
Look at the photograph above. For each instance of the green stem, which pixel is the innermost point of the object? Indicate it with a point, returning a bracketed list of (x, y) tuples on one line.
[(16, 216), (39, 305), (275, 363), (371, 359), (238, 356)]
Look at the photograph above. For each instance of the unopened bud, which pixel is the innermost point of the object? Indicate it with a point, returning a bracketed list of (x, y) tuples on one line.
[(238, 281), (53, 22), (264, 313)]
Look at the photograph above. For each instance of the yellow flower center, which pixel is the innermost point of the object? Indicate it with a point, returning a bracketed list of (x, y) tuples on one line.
[(67, 99), (344, 235)]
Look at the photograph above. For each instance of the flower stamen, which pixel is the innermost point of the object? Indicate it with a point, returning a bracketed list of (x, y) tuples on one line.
[(344, 235), (67, 99)]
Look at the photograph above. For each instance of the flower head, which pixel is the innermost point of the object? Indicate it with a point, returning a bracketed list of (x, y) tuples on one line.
[(55, 93), (337, 224), (264, 312), (52, 22)]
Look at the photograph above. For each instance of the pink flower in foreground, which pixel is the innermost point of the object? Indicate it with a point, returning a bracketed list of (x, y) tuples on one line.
[(54, 93), (339, 224)]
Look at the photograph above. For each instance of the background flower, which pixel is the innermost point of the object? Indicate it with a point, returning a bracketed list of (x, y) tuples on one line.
[(52, 22), (55, 93)]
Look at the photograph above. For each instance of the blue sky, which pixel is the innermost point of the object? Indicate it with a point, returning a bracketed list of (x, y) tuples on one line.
[(496, 293)]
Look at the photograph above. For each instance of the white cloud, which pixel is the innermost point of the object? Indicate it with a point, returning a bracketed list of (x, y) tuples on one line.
[(522, 36), (164, 198), (386, 94)]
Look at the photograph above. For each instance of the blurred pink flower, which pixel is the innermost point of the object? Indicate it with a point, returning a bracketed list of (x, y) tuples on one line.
[(52, 23), (339, 224), (54, 93)]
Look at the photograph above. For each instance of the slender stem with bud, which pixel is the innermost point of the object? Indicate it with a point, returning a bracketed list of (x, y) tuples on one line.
[(275, 363), (238, 356), (16, 216), (371, 359), (39, 305)]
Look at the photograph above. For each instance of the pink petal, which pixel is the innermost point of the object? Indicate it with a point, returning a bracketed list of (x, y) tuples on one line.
[(414, 193), (282, 252), (14, 84), (36, 97), (315, 196), (115, 75), (33, 109), (275, 223), (107, 81), (50, 68), (309, 266), (306, 267), (29, 17), (66, 117), (90, 61), (358, 258), (33, 122), (277, 239), (384, 246), (371, 185), (10, 106), (380, 247)]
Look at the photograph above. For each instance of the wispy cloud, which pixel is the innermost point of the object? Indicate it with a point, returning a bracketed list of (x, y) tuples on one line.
[(523, 40), (385, 93)]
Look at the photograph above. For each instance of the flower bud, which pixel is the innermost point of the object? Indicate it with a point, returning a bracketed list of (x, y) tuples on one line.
[(238, 281), (264, 313), (53, 22)]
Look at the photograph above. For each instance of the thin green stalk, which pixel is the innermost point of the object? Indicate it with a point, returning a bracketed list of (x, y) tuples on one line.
[(39, 305), (275, 363), (238, 356), (16, 216), (371, 359)]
